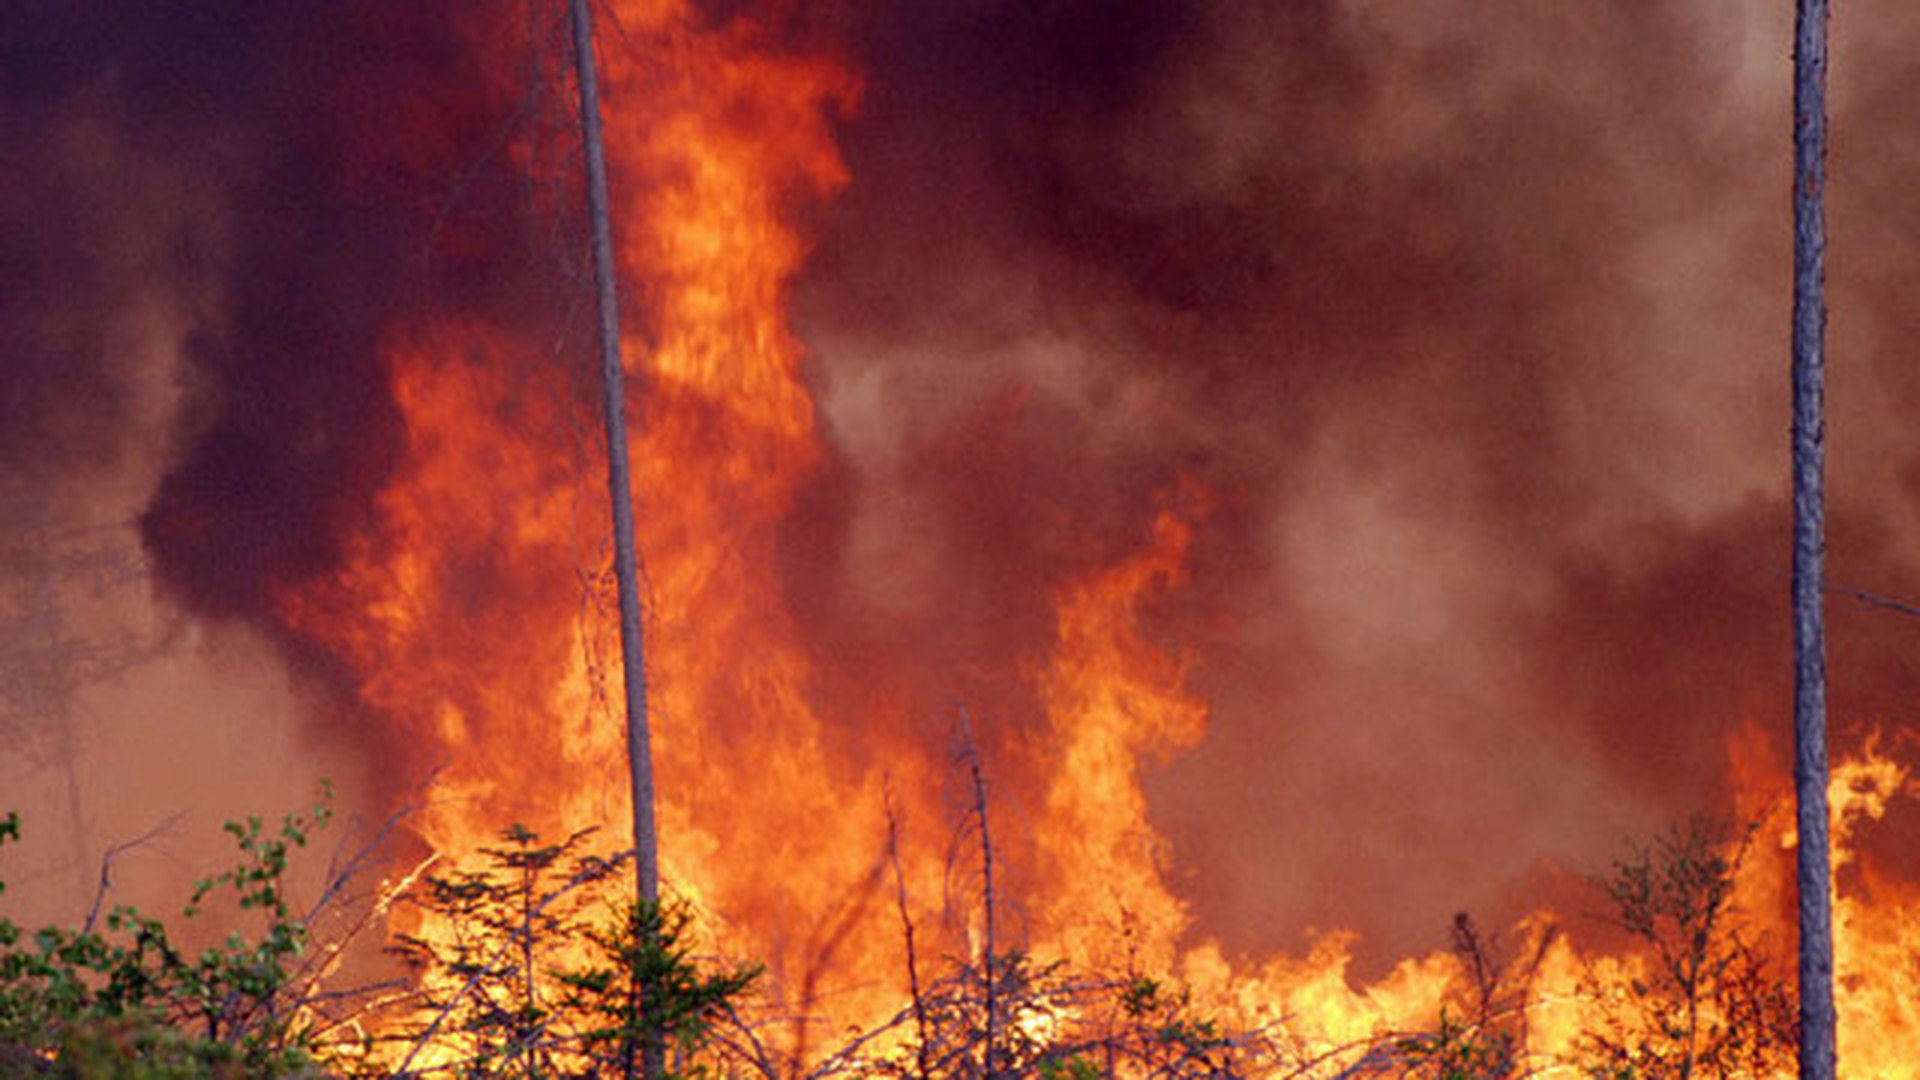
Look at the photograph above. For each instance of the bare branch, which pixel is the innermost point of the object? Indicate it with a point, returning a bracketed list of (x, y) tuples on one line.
[(106, 866), (988, 1062), (1875, 599), (906, 925)]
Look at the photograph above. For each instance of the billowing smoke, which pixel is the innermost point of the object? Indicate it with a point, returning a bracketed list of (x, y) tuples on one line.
[(1470, 321), (209, 219), (1475, 317), (123, 717)]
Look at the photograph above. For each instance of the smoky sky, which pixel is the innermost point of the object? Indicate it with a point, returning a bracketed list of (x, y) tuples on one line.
[(216, 221), (1471, 318), (1475, 317), (333, 158)]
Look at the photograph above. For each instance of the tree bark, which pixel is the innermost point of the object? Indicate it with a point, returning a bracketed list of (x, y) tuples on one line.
[(1817, 1054)]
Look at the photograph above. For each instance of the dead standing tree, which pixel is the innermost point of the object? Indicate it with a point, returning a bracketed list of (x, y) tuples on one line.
[(1817, 1058), (620, 492), (632, 650)]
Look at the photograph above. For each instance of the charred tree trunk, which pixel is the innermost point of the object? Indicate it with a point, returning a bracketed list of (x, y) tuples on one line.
[(632, 649), (1817, 1058)]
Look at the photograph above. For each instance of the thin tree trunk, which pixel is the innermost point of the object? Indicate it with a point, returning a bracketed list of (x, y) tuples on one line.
[(646, 860), (632, 649), (1817, 1058), (989, 1061)]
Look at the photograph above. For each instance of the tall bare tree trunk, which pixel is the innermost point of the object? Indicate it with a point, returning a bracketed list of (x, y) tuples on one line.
[(1817, 1057), (646, 860), (632, 646)]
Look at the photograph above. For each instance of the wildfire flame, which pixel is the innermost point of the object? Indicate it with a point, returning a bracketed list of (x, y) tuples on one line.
[(474, 616)]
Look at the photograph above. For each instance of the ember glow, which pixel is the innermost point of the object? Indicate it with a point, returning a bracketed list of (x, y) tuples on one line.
[(1324, 467)]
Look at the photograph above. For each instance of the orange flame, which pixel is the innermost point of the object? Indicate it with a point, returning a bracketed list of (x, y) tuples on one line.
[(1113, 701)]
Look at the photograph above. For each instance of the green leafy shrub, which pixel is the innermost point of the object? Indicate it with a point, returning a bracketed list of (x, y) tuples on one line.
[(128, 1002)]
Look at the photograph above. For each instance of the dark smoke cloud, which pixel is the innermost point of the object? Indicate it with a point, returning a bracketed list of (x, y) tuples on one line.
[(215, 219), (108, 216), (271, 152), (1477, 316), (146, 153), (373, 126)]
